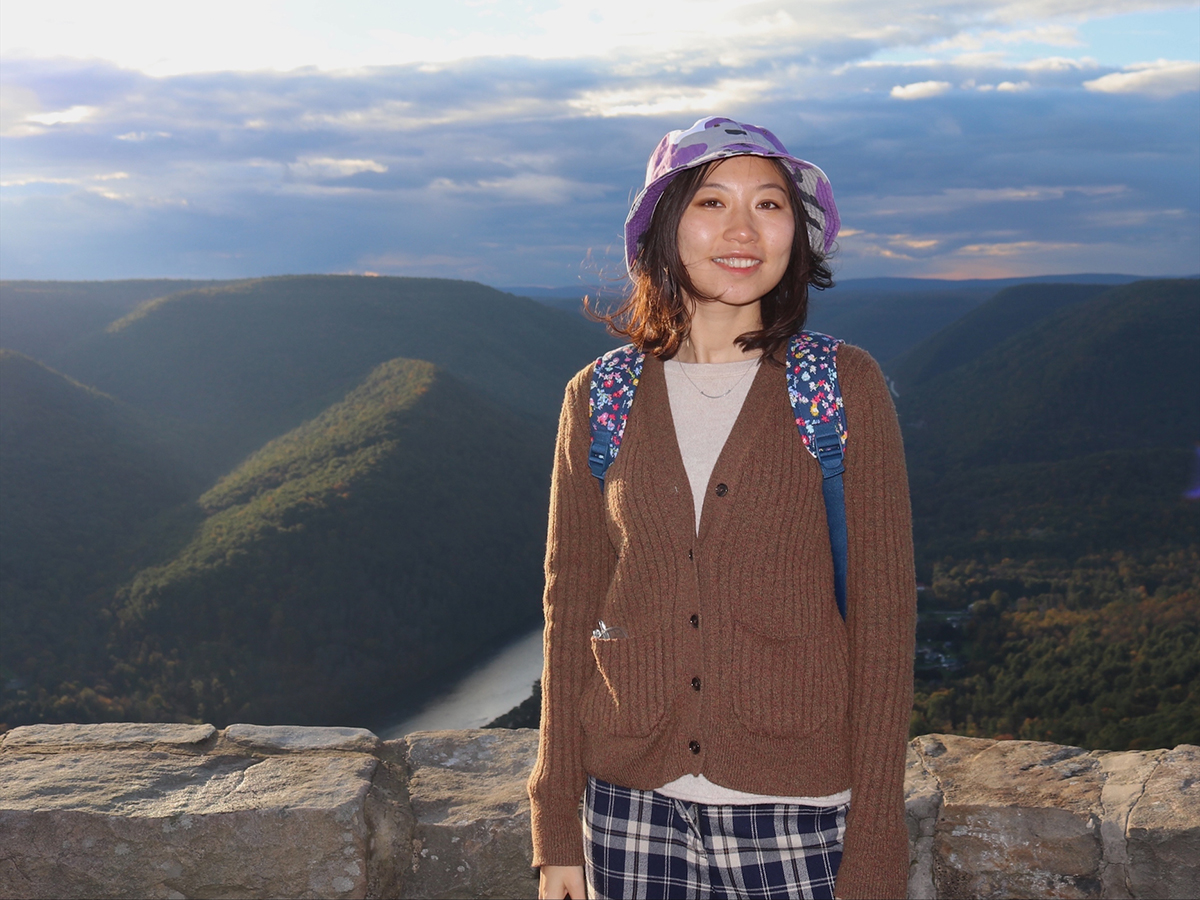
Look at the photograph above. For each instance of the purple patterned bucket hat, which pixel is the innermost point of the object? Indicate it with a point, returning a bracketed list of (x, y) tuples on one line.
[(716, 137)]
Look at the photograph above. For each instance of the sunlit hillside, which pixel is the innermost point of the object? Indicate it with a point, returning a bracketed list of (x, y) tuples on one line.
[(269, 512)]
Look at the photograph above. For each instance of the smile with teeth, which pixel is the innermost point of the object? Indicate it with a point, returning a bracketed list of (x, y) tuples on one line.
[(737, 262)]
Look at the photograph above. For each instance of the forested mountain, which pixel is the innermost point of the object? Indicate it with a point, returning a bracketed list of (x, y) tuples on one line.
[(1116, 372), (1061, 560), (374, 545), (82, 479), (1003, 315), (290, 499), (235, 365), (1050, 437), (885, 316), (374, 520), (41, 318), (77, 468)]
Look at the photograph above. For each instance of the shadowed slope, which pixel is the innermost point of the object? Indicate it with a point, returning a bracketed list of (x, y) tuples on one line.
[(42, 318), (239, 364), (380, 543), (82, 481), (79, 472), (1074, 435), (1113, 373), (1005, 314)]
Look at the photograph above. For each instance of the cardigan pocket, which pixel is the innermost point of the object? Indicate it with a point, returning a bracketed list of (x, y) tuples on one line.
[(787, 687), (626, 697)]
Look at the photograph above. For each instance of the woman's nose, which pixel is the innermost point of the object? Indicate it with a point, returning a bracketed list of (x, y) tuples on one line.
[(740, 226)]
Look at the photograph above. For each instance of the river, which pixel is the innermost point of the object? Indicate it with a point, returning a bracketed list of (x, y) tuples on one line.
[(490, 689)]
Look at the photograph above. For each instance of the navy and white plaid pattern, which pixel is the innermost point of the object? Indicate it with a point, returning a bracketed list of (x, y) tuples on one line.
[(643, 845)]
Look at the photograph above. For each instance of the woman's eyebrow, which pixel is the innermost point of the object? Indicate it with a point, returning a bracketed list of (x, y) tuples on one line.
[(765, 184)]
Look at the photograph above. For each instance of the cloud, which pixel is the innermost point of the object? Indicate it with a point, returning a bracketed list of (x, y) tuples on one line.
[(142, 135), (170, 39), (1014, 248), (519, 169), (920, 90), (328, 167), (63, 117), (1164, 78), (658, 100)]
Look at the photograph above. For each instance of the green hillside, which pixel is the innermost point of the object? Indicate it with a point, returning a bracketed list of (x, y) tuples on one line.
[(82, 482), (42, 318), (1118, 372), (377, 544), (238, 364), (1101, 652), (1061, 562), (78, 472), (1008, 312), (888, 323)]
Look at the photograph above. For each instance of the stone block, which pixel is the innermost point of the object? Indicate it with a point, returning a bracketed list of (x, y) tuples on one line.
[(1163, 835), (1019, 818), (922, 804), (472, 831), (116, 823), (1125, 775), (296, 738), (110, 735)]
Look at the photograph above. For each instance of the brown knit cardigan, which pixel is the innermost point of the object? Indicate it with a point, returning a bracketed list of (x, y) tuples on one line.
[(791, 700)]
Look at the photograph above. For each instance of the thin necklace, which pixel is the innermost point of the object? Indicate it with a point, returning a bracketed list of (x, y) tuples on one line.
[(683, 367)]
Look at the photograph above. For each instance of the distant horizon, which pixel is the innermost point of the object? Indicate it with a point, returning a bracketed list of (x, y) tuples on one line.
[(565, 290)]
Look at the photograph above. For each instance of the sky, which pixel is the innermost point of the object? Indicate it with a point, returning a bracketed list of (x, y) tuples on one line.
[(502, 140)]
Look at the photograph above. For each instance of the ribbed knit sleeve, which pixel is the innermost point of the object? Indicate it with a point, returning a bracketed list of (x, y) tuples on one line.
[(579, 567), (881, 595)]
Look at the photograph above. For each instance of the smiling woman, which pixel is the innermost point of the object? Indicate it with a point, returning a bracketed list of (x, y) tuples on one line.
[(733, 730)]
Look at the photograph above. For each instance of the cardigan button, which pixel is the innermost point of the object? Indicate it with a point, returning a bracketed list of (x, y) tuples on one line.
[(694, 620), (695, 683), (722, 489), (694, 746)]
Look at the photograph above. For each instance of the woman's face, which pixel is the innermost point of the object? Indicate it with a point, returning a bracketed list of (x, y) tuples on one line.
[(735, 237)]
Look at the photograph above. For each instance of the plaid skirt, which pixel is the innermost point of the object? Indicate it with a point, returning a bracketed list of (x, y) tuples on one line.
[(643, 845)]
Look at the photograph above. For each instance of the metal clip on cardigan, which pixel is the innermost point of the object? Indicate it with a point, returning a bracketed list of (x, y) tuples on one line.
[(605, 633)]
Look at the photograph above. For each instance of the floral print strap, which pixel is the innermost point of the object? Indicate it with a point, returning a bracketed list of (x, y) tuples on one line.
[(813, 385), (614, 379)]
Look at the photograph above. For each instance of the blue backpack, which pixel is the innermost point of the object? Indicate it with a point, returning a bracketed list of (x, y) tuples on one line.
[(816, 400)]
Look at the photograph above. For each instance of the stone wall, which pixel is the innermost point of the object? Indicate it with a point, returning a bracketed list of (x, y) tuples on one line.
[(129, 810)]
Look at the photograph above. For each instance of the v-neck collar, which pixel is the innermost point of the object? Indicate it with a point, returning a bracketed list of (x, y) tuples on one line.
[(662, 444)]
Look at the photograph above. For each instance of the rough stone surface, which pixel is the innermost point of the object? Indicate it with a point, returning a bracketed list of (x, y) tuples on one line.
[(471, 837), (154, 823), (113, 734), (922, 804), (1018, 818), (300, 737), (1125, 776), (186, 811), (1164, 829)]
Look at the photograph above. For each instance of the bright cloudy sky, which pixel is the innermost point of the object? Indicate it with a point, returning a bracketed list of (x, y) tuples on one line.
[(501, 141)]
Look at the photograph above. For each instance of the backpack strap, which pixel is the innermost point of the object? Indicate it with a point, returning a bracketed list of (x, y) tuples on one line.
[(615, 376), (821, 420)]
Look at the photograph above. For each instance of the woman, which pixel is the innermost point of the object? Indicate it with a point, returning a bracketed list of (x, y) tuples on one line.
[(731, 734)]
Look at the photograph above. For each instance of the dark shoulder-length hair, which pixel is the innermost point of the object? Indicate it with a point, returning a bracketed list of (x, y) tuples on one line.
[(654, 315)]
